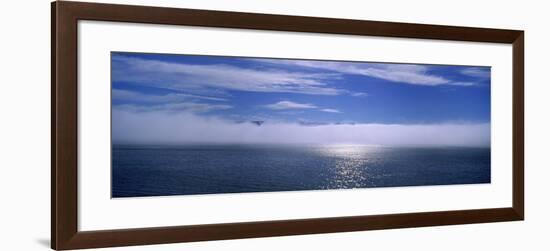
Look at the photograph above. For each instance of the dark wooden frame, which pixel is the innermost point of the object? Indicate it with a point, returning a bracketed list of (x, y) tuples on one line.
[(64, 231)]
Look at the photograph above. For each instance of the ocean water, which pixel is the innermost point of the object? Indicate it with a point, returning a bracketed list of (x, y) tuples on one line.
[(211, 169)]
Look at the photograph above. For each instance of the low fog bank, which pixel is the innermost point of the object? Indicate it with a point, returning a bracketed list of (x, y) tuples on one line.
[(131, 127)]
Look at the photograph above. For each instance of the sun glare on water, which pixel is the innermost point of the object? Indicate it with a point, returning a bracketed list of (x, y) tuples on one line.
[(351, 163)]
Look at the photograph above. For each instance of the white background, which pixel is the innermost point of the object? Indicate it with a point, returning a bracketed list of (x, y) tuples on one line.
[(24, 105)]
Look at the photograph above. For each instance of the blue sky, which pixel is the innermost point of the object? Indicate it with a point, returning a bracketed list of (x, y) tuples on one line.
[(244, 89)]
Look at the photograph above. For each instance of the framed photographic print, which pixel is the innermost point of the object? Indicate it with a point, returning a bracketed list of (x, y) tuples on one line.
[(177, 125)]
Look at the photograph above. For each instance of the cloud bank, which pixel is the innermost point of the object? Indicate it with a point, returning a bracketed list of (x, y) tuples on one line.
[(146, 127)]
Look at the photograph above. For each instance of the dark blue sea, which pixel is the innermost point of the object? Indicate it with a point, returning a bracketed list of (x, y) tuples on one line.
[(211, 169)]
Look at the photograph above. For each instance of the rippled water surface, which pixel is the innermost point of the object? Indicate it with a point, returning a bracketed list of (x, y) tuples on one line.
[(211, 169)]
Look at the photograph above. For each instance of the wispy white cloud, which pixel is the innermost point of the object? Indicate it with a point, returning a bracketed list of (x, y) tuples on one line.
[(359, 94), (289, 105), (293, 106), (218, 77), (477, 72), (401, 73), (132, 96), (172, 102), (330, 110), (191, 107), (463, 83)]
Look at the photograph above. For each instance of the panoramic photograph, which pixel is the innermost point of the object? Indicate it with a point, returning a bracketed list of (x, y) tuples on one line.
[(198, 125)]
